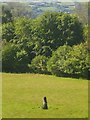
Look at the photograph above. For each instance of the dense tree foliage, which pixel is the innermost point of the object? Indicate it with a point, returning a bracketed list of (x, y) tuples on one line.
[(14, 59), (69, 61), (8, 31), (13, 10), (56, 63), (56, 29), (53, 43), (6, 14), (38, 64), (8, 58)]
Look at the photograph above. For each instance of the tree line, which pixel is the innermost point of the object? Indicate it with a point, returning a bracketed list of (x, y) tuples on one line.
[(53, 43)]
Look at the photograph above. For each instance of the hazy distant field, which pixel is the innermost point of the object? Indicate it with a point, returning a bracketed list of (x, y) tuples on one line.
[(23, 93)]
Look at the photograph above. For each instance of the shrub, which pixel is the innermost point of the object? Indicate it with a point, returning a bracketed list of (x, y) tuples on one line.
[(14, 59), (38, 64), (56, 63), (8, 57), (70, 61)]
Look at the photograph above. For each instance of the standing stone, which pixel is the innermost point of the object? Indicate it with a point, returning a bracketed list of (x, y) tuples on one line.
[(45, 106)]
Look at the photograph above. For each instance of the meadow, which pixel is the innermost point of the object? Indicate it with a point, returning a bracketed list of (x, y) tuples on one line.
[(22, 96)]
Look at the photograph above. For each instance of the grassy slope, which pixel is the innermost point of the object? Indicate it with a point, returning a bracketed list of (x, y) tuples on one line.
[(0, 96), (22, 96)]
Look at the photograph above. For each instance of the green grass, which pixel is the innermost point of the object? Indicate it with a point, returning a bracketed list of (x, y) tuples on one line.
[(23, 93), (0, 96)]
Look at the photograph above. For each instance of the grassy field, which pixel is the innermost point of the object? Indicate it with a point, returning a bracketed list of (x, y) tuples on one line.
[(0, 96), (23, 93)]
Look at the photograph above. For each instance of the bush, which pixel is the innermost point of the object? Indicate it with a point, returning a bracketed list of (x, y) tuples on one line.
[(38, 64), (8, 58), (14, 59), (21, 61), (68, 61), (79, 61), (56, 63), (8, 31)]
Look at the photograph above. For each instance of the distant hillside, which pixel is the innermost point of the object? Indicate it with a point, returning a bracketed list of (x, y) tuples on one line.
[(40, 7), (33, 8), (82, 10)]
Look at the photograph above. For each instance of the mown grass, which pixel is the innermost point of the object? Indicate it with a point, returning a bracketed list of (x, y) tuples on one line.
[(0, 96), (23, 93)]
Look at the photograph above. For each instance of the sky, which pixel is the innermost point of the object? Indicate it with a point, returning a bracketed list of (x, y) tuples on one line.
[(44, 0)]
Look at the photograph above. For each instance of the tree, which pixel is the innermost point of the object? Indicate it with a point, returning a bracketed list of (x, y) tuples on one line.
[(13, 10), (8, 32), (79, 62), (23, 28), (32, 42), (8, 58), (6, 14), (20, 9), (56, 29), (23, 31), (55, 65), (14, 59), (46, 51), (21, 61)]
